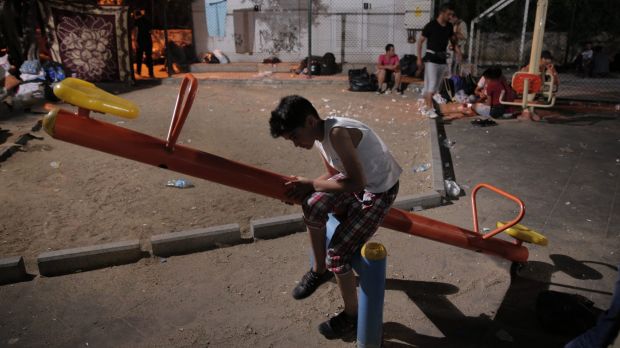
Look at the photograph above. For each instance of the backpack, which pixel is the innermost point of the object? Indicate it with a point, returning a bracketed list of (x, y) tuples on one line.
[(328, 64), (361, 81), (447, 90), (408, 64)]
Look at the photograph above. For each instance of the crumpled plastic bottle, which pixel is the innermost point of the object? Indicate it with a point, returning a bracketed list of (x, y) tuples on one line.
[(179, 183), (421, 168), (452, 188)]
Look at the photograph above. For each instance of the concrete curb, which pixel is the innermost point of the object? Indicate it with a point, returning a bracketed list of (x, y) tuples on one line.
[(278, 226), (424, 200), (91, 257), (436, 162), (261, 81), (185, 242), (12, 270)]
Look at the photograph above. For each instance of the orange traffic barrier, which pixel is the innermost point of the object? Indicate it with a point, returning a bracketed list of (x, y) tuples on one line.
[(82, 130)]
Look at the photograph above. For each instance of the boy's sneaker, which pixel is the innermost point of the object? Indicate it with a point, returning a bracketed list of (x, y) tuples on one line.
[(339, 326), (309, 283), (379, 91), (388, 91), (430, 113)]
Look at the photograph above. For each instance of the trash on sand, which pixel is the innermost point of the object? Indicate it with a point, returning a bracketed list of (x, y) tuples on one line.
[(448, 143), (55, 164), (452, 188), (421, 168), (179, 183)]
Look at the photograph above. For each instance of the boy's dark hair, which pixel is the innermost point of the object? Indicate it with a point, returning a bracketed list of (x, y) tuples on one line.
[(291, 113), (492, 73), (388, 47), (546, 55), (446, 7)]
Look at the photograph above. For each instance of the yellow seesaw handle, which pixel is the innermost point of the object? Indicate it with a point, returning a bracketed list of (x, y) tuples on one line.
[(88, 96), (524, 234)]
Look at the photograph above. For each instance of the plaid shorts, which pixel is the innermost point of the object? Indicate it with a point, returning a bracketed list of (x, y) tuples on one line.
[(360, 214)]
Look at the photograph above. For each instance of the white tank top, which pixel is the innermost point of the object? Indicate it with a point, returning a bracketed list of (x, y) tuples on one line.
[(379, 166)]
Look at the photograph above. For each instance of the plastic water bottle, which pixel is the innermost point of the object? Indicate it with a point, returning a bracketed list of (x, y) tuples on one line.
[(452, 188), (179, 183), (421, 168)]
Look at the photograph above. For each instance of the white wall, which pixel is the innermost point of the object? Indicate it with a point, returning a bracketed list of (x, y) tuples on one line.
[(366, 33)]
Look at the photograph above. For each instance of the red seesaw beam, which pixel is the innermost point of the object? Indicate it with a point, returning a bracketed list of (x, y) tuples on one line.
[(84, 131)]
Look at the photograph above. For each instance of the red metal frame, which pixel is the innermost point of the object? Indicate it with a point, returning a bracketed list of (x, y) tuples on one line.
[(502, 193), (110, 138)]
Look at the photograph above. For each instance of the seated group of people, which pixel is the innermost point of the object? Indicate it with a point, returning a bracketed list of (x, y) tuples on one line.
[(493, 87)]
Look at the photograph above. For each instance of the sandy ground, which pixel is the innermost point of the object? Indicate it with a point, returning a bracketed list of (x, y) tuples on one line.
[(56, 195), (437, 295)]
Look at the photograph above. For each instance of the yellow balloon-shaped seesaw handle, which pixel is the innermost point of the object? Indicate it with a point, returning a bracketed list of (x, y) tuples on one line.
[(86, 95)]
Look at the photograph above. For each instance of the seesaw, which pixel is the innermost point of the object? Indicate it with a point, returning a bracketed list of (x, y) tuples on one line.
[(78, 128)]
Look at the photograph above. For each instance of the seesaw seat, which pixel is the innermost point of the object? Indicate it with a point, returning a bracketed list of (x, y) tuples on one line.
[(86, 95)]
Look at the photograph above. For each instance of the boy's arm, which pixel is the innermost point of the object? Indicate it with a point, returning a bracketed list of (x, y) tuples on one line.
[(420, 43), (330, 171), (299, 187), (355, 179)]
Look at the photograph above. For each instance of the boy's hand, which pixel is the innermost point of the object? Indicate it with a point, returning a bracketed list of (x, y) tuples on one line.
[(298, 188)]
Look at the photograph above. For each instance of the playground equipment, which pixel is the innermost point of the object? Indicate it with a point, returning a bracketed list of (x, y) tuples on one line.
[(532, 83), (78, 128)]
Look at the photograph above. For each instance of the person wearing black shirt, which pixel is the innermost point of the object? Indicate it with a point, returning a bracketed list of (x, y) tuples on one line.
[(145, 43), (436, 34)]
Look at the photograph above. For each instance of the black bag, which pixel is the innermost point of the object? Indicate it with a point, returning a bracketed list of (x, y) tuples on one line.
[(408, 64), (361, 81), (559, 312), (329, 58), (328, 64), (469, 85), (447, 89)]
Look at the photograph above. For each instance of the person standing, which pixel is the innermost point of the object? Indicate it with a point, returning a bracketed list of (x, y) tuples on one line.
[(145, 43), (436, 34), (460, 30)]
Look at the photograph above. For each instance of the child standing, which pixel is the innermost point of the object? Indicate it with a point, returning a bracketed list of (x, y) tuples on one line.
[(359, 186)]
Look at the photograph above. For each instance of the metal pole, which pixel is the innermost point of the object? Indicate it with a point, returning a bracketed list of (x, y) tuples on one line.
[(371, 296), (472, 32), (525, 14), (343, 36), (309, 37), (168, 56), (537, 37)]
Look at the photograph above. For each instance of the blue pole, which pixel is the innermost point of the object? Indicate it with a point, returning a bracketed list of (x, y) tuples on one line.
[(370, 265), (370, 296)]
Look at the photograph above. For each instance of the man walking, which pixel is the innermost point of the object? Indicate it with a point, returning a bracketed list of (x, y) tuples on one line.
[(436, 34)]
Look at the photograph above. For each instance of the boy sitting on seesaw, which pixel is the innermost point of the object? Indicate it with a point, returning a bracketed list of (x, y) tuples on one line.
[(359, 186)]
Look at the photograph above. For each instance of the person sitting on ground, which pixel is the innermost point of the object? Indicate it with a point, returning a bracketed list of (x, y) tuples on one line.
[(360, 185), (388, 65), (496, 87), (480, 92), (547, 69)]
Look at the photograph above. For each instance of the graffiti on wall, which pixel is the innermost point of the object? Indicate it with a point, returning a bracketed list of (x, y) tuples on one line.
[(282, 23), (280, 41)]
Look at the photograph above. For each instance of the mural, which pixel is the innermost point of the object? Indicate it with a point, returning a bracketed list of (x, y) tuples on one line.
[(282, 33)]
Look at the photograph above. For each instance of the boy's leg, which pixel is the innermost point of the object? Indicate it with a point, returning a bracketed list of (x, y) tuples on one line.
[(348, 288), (317, 241), (315, 208), (361, 223), (380, 79)]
